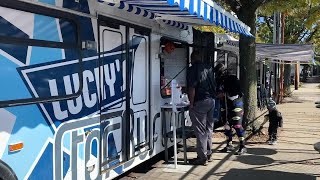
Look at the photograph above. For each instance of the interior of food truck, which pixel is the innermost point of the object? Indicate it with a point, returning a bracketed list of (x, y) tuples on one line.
[(174, 61)]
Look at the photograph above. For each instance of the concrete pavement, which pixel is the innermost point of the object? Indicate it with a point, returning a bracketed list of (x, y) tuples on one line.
[(293, 158)]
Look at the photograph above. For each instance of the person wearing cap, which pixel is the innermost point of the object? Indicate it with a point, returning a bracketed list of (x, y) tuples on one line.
[(275, 121), (229, 91)]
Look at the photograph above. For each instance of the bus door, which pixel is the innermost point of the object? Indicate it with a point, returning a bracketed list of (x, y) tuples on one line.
[(139, 91), (112, 53), (124, 103)]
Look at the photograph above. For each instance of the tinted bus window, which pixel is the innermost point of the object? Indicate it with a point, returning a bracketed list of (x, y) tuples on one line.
[(25, 25), (34, 53)]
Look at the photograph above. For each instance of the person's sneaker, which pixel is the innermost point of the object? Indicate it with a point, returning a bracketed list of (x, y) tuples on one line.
[(269, 139), (198, 161), (228, 148), (270, 142), (274, 142), (241, 150), (209, 158)]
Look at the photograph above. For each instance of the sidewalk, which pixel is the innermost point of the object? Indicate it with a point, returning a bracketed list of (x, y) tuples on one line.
[(292, 158)]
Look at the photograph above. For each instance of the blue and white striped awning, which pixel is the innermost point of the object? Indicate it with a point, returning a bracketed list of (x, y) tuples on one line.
[(180, 13)]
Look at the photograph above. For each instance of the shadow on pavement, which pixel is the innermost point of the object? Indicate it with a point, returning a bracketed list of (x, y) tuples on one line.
[(261, 151), (294, 101), (255, 160), (245, 174), (295, 142), (191, 149)]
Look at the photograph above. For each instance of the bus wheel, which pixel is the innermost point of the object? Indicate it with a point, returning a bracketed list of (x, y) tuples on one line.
[(6, 173)]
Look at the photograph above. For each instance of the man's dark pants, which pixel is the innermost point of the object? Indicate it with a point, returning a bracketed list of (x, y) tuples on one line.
[(202, 122)]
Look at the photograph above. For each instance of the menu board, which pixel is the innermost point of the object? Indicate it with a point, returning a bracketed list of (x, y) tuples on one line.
[(174, 63)]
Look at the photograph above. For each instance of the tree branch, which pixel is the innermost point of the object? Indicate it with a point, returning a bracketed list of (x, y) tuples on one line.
[(268, 22), (257, 3), (302, 37), (312, 34), (298, 33), (233, 5)]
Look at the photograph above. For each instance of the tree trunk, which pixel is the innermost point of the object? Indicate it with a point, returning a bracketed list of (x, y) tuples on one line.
[(287, 79), (248, 77), (282, 76)]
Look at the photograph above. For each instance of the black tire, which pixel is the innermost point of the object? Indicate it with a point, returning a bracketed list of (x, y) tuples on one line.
[(6, 173)]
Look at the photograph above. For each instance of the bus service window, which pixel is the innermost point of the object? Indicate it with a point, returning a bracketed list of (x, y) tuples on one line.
[(173, 64)]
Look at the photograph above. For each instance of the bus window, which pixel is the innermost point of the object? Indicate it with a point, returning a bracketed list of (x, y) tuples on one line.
[(174, 64), (111, 38), (39, 58), (35, 26), (140, 71)]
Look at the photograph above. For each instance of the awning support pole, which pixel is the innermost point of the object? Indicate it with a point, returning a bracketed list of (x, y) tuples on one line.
[(297, 76)]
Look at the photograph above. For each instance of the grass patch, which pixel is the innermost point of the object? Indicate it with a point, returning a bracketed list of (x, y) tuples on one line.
[(301, 85)]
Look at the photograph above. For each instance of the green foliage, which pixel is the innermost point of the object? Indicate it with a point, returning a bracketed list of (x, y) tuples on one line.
[(302, 21), (264, 32), (297, 8), (214, 29), (317, 61), (282, 6)]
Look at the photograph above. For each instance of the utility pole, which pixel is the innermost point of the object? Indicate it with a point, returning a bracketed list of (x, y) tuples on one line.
[(276, 40)]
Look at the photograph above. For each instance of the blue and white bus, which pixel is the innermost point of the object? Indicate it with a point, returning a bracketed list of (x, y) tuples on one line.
[(81, 81)]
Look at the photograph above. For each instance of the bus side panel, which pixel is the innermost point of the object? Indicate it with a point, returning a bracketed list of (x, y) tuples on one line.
[(25, 73), (62, 139), (24, 124)]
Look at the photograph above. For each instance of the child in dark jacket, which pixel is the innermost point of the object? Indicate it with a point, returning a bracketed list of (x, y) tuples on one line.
[(275, 121)]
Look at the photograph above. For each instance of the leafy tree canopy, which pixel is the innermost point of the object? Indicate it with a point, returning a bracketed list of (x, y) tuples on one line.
[(302, 21)]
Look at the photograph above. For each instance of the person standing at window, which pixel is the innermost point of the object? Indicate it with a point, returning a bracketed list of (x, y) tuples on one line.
[(201, 92)]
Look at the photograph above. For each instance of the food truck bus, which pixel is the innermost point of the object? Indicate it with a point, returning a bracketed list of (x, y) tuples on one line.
[(83, 81)]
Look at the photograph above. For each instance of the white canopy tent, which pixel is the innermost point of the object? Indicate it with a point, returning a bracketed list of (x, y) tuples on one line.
[(302, 53)]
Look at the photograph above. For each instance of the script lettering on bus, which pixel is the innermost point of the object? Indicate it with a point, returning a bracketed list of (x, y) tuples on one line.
[(86, 139), (104, 85), (104, 77)]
